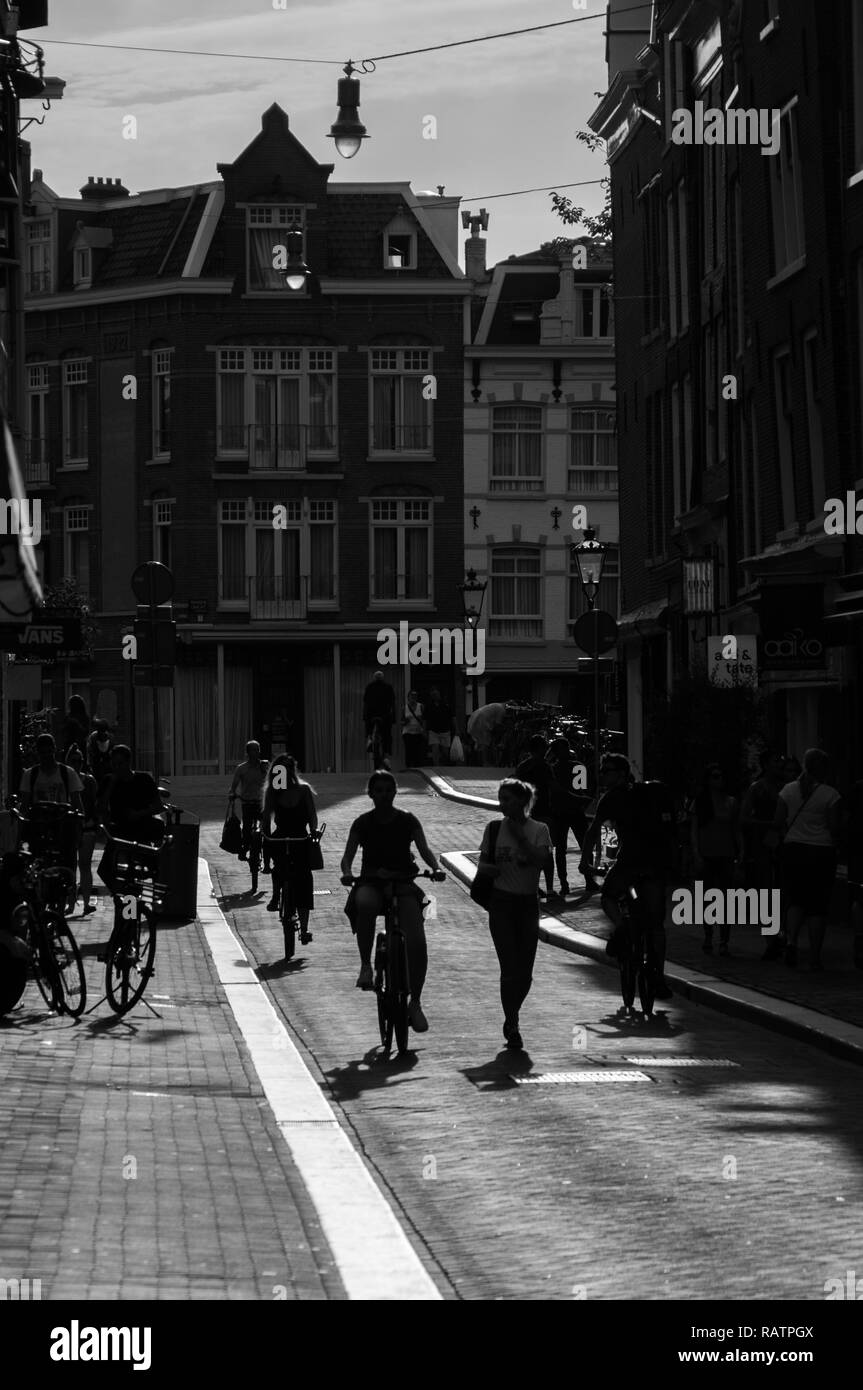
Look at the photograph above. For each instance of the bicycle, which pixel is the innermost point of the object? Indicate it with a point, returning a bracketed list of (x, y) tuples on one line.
[(282, 867), (131, 947), (635, 955), (55, 960), (391, 975), (376, 742)]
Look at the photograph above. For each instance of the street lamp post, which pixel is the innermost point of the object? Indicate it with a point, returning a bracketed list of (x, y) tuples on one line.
[(590, 558), (472, 595)]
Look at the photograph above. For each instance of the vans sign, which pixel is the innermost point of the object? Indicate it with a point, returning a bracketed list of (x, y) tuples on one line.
[(43, 640)]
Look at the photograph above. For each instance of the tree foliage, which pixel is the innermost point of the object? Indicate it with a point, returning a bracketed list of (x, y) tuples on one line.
[(595, 224)]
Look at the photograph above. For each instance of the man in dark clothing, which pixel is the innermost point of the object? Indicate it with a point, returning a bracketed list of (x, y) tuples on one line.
[(567, 808), (379, 703), (440, 726), (132, 800), (535, 770)]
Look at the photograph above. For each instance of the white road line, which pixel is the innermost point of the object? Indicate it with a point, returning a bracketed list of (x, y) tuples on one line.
[(372, 1253)]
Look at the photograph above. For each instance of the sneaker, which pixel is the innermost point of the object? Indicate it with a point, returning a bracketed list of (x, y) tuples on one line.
[(306, 937), (365, 979), (242, 855), (418, 1020), (513, 1037), (273, 905), (88, 907)]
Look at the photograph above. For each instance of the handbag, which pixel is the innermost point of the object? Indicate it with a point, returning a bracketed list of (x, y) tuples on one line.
[(232, 834), (482, 886), (316, 858)]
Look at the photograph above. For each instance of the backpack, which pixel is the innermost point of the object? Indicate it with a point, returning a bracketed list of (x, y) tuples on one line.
[(654, 821)]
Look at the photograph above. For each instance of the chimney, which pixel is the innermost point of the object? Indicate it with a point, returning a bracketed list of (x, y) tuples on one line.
[(103, 188), (475, 246)]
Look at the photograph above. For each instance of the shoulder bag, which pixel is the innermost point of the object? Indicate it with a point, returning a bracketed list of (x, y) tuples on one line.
[(483, 884)]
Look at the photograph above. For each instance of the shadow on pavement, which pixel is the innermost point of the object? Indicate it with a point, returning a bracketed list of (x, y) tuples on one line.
[(369, 1073), (275, 970), (496, 1075)]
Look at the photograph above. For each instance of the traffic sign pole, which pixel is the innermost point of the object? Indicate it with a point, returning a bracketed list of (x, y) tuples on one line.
[(596, 696)]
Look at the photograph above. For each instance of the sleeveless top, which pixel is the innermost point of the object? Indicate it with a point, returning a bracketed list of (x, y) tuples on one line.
[(386, 846)]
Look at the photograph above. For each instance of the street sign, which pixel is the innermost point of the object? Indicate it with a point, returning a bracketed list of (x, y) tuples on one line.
[(152, 583), (595, 632), (44, 640)]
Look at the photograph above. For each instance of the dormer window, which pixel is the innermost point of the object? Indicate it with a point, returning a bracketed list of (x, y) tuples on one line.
[(37, 268), (400, 245), (593, 312), (83, 271), (268, 246)]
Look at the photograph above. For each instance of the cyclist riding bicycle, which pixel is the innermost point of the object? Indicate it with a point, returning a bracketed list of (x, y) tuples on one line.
[(644, 861), (386, 835), (248, 784)]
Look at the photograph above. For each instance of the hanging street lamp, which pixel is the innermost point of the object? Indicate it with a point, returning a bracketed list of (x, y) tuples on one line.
[(347, 129)]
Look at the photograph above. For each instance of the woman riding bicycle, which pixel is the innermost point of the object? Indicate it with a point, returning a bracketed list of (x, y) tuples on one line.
[(385, 836), (290, 803)]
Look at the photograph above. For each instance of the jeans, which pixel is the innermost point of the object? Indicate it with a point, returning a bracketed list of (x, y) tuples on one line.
[(251, 813), (369, 903), (513, 921)]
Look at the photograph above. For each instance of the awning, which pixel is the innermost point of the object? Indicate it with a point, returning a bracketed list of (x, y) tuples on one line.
[(647, 615)]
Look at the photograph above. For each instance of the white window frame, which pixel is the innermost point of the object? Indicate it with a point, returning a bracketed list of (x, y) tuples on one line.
[(401, 520), (76, 521), (329, 519), (600, 299), (38, 280), (36, 465), (786, 196), (281, 363), (411, 262), (595, 479), (783, 415), (536, 619), (161, 363), (257, 514), (520, 482), (402, 363), (279, 219), (76, 375), (163, 520)]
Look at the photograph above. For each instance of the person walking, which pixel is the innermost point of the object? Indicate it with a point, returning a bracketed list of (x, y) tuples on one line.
[(522, 849), (379, 703), (808, 818), (760, 836), (535, 770), (413, 730), (97, 752), (76, 726), (440, 727), (714, 826), (567, 810), (87, 842), (289, 805)]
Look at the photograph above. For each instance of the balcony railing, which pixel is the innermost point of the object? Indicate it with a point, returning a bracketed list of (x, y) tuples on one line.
[(273, 448), (266, 597), (386, 438), (36, 468)]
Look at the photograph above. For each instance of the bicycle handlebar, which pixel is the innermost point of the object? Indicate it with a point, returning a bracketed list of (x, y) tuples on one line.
[(349, 880)]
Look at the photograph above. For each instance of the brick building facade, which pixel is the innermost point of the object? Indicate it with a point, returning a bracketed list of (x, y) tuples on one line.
[(295, 457)]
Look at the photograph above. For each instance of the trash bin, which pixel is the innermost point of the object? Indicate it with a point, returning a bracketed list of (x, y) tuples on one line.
[(178, 866)]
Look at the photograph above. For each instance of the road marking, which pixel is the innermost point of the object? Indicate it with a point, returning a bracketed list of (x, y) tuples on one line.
[(372, 1253)]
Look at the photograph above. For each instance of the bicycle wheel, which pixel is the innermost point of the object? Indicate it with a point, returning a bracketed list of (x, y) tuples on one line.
[(399, 993), (384, 1020), (68, 964), (130, 960), (42, 965)]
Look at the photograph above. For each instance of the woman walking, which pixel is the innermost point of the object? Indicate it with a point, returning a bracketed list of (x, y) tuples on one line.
[(87, 842), (289, 802), (76, 727), (522, 850), (715, 831), (413, 730), (808, 814)]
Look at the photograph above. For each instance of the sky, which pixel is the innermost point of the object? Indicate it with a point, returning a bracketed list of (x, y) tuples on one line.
[(506, 111)]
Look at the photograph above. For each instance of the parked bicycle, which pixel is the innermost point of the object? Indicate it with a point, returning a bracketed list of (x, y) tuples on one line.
[(391, 975), (278, 849), (40, 920), (138, 900)]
